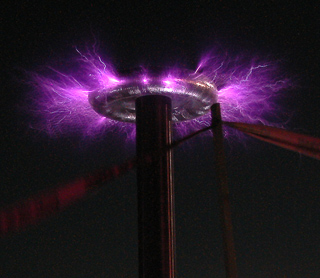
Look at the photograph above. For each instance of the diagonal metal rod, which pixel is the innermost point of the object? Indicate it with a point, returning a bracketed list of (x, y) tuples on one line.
[(301, 143), (223, 191)]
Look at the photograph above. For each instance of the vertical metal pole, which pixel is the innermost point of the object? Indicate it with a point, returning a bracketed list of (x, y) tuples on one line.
[(155, 188), (223, 190)]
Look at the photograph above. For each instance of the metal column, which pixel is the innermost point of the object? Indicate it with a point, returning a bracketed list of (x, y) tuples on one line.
[(223, 190), (155, 187)]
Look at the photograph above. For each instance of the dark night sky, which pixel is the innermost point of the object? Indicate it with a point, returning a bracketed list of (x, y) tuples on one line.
[(275, 193)]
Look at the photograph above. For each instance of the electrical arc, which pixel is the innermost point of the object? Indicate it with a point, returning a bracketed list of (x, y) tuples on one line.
[(90, 96)]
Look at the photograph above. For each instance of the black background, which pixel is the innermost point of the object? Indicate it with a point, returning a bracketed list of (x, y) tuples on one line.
[(275, 193)]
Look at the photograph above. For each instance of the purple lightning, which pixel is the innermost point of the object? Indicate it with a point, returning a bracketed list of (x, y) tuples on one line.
[(247, 89)]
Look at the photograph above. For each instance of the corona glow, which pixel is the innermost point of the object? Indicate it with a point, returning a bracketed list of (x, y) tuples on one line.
[(247, 89)]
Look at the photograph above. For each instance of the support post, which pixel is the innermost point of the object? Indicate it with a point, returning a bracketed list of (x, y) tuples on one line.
[(155, 187), (223, 192)]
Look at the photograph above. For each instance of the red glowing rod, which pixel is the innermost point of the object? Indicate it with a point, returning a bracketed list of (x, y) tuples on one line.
[(45, 204)]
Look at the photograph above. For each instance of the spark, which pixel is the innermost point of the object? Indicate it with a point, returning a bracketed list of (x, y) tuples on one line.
[(248, 90)]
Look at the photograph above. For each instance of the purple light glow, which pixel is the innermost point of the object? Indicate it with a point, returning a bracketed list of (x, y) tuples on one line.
[(247, 91)]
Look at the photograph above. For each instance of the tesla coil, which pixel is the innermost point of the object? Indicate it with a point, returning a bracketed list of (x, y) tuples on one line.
[(153, 100), (153, 103)]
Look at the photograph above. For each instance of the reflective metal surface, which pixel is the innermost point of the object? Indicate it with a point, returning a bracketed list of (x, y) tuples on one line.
[(190, 98)]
